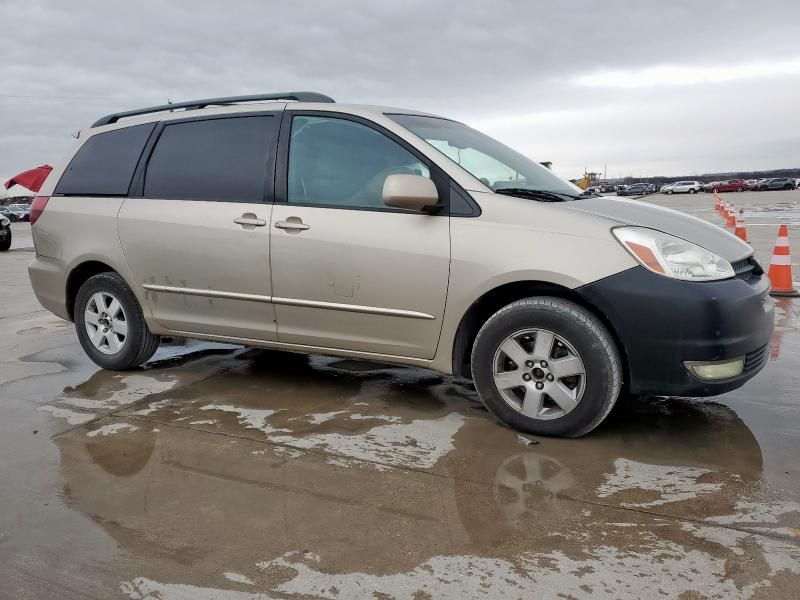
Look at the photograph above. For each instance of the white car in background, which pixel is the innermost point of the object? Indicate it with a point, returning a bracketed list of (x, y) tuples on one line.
[(685, 187)]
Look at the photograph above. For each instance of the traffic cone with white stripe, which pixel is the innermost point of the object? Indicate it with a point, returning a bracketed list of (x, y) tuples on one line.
[(741, 230), (731, 222), (780, 267), (718, 202)]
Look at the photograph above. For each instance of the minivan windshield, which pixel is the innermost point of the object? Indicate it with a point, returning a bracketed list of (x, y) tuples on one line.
[(499, 167)]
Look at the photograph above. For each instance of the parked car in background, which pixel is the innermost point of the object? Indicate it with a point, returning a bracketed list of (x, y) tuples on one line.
[(7, 213), (22, 213), (5, 233), (776, 183), (730, 185), (685, 187), (636, 189)]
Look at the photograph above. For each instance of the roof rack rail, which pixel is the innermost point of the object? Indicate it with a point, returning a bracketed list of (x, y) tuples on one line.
[(222, 101)]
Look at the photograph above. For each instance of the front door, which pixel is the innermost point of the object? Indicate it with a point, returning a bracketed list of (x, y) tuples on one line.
[(348, 272), (197, 240)]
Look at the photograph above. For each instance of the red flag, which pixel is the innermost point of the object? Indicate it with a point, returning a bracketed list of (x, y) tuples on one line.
[(31, 179)]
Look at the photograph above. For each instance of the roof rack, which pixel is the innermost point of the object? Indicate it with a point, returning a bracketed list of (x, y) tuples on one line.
[(222, 101)]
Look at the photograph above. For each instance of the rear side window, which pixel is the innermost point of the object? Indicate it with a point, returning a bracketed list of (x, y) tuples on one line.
[(216, 159), (104, 165)]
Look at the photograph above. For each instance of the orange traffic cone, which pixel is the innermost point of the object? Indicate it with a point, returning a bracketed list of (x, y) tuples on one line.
[(718, 201), (731, 221), (780, 267), (741, 230)]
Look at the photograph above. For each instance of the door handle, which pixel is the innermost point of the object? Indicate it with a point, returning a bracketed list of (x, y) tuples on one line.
[(293, 224), (251, 221)]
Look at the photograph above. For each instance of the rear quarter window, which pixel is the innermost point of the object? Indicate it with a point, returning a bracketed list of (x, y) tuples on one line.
[(104, 164)]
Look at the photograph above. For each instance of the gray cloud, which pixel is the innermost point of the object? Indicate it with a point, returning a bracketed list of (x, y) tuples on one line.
[(511, 68)]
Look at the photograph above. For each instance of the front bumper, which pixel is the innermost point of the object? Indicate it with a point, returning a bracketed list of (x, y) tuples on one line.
[(663, 322)]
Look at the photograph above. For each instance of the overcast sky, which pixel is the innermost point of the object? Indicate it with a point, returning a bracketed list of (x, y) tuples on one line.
[(644, 87)]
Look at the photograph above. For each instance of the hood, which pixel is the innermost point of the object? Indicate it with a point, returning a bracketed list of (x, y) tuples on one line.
[(679, 224)]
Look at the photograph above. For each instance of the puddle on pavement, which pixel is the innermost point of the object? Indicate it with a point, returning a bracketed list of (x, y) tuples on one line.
[(489, 515), (283, 475)]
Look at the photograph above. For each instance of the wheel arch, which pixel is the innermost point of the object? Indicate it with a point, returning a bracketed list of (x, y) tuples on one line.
[(493, 300), (78, 276)]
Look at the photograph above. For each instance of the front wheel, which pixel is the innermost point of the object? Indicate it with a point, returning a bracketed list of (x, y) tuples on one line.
[(110, 324), (547, 366), (669, 192)]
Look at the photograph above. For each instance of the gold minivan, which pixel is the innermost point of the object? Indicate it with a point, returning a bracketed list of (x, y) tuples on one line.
[(290, 221)]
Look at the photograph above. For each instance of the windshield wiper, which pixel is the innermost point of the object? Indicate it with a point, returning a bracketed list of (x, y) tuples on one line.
[(543, 195)]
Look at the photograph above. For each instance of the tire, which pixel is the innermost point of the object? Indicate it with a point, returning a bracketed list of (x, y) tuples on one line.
[(669, 192), (136, 346), (715, 190), (692, 191), (4, 246), (763, 188), (576, 331), (787, 187), (739, 189)]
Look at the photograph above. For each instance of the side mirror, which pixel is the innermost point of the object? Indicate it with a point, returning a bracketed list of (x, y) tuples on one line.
[(411, 192)]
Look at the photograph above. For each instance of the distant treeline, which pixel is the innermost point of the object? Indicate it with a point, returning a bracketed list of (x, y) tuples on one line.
[(706, 177)]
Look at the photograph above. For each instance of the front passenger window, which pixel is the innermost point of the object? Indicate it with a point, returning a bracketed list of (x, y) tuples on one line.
[(340, 163)]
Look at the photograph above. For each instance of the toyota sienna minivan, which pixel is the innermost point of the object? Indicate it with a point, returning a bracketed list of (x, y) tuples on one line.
[(289, 221)]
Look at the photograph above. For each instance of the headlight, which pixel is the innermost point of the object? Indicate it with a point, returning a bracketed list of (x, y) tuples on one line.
[(671, 256)]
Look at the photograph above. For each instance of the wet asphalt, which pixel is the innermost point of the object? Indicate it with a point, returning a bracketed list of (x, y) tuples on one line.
[(220, 472)]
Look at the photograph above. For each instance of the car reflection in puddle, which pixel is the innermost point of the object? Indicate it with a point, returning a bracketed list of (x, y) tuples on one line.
[(300, 476)]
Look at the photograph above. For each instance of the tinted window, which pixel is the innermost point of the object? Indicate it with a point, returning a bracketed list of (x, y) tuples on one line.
[(215, 159), (105, 163), (336, 162)]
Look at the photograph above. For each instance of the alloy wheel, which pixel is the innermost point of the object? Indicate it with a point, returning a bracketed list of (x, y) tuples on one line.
[(106, 323), (539, 374)]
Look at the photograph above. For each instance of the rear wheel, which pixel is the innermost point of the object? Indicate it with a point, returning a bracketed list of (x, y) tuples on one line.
[(669, 192), (110, 324), (738, 189), (547, 366), (787, 187), (692, 191)]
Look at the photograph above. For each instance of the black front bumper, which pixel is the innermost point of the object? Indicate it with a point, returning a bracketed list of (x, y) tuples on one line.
[(662, 322)]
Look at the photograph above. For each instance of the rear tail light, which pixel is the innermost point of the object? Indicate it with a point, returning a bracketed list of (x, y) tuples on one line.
[(37, 207)]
